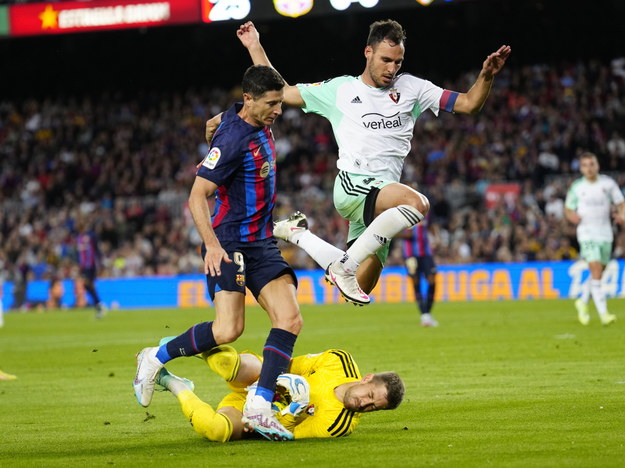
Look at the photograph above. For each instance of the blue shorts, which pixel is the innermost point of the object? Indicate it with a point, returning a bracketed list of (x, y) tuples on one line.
[(89, 273), (254, 264), (421, 266)]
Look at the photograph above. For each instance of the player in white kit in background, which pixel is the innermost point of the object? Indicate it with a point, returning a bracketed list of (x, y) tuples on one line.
[(588, 205)]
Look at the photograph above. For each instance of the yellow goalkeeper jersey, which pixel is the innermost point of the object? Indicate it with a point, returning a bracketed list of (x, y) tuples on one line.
[(326, 416)]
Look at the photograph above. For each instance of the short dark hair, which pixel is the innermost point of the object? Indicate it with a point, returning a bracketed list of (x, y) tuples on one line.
[(386, 29), (588, 155), (394, 388), (258, 79)]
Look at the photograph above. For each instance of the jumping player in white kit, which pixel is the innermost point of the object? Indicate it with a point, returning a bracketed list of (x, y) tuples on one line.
[(372, 116)]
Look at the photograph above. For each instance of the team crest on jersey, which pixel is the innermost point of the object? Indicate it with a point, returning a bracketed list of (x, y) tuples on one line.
[(240, 279), (394, 95), (210, 161), (310, 411)]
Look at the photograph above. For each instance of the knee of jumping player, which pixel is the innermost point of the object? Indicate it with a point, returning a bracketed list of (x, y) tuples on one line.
[(421, 203)]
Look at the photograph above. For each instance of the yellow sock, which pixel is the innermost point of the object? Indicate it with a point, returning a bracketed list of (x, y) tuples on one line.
[(205, 421), (224, 360)]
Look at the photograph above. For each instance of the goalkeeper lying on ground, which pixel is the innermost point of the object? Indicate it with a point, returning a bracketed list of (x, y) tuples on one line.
[(327, 402)]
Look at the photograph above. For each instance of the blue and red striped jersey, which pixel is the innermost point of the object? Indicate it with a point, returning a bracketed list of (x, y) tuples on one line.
[(418, 244), (87, 250), (242, 163)]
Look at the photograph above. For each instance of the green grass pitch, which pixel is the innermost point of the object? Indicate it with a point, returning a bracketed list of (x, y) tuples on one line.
[(502, 384)]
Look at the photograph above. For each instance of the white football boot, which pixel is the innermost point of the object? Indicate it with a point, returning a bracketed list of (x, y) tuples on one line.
[(257, 415), (286, 228), (148, 367), (346, 283), (428, 321)]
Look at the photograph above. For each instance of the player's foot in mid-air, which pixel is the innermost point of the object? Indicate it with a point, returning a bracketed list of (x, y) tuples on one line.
[(608, 318), (258, 416), (148, 366), (582, 312), (291, 226), (428, 321), (346, 283)]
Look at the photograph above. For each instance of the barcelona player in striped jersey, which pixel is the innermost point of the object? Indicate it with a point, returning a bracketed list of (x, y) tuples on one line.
[(239, 249), (419, 261), (335, 398), (88, 256)]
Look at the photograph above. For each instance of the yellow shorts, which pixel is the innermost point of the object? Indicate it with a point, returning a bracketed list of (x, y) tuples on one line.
[(235, 400)]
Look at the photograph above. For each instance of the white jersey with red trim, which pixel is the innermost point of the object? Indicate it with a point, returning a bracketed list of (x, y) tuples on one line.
[(372, 126)]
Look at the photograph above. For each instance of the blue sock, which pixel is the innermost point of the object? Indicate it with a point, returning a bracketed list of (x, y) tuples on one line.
[(276, 359), (197, 339)]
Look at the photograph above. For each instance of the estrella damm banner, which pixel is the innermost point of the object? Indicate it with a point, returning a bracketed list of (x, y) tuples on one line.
[(479, 282), (99, 15)]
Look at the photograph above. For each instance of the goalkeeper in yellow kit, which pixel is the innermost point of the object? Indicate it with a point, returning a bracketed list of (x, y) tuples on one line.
[(327, 402)]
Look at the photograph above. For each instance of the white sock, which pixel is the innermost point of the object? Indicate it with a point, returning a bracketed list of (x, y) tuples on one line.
[(319, 250), (380, 232), (586, 292), (598, 297)]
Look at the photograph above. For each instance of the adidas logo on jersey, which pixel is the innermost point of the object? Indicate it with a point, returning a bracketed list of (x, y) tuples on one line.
[(356, 100)]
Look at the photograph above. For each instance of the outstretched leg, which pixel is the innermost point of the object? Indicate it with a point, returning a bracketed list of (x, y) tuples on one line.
[(397, 207)]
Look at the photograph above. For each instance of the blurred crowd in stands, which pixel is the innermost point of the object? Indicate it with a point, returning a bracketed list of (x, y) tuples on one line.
[(125, 165)]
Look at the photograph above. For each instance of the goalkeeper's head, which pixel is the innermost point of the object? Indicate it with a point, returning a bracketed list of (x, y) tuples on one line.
[(381, 391), (394, 388)]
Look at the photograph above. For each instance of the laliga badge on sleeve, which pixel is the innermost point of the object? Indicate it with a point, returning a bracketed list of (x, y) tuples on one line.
[(213, 157)]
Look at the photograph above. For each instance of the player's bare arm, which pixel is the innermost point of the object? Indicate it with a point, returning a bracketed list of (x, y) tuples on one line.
[(250, 38), (572, 216), (473, 100), (619, 215), (215, 254)]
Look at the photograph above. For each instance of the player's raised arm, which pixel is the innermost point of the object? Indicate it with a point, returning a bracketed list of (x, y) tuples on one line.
[(473, 100), (250, 38)]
